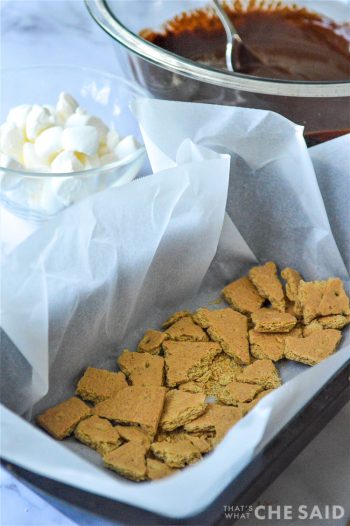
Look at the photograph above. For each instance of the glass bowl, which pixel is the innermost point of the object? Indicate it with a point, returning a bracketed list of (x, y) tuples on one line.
[(323, 108), (40, 196)]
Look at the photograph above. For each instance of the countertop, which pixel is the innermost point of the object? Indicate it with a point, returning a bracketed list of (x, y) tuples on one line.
[(56, 32)]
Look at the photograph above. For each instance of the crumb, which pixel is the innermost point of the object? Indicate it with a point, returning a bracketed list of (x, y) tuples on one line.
[(180, 408), (142, 369), (243, 296), (268, 285), (152, 342), (186, 361), (261, 372), (314, 348), (271, 320), (97, 385), (128, 460), (134, 405), (97, 433), (61, 420), (185, 329), (229, 328)]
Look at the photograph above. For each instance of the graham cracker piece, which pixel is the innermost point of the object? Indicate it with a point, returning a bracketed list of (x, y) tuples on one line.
[(191, 387), (314, 348), (201, 442), (133, 434), (186, 330), (271, 320), (176, 317), (97, 385), (224, 369), (180, 408), (229, 328), (217, 418), (212, 388), (176, 454), (152, 342), (242, 295), (186, 361), (270, 345), (128, 460), (97, 433), (157, 469), (261, 372), (238, 392), (266, 281), (142, 369), (292, 278), (323, 298), (336, 321), (134, 405), (61, 420), (248, 406)]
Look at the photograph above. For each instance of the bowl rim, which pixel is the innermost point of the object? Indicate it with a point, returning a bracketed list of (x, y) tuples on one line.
[(90, 172), (103, 15)]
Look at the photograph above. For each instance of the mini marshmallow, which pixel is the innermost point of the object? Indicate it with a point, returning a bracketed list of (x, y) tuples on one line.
[(66, 105), (84, 139), (7, 162), (18, 115), (126, 147), (109, 158), (49, 143), (31, 161), (80, 119), (38, 119), (66, 162), (113, 139), (11, 140)]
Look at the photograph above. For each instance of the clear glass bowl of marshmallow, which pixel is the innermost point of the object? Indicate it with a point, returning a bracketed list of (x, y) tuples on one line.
[(66, 132)]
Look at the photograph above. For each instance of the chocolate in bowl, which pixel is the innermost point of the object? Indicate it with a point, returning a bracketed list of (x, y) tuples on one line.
[(322, 107), (293, 43)]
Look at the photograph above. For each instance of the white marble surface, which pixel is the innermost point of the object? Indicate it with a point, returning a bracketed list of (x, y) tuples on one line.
[(50, 31)]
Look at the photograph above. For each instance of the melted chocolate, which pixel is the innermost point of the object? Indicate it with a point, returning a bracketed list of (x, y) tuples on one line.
[(293, 43)]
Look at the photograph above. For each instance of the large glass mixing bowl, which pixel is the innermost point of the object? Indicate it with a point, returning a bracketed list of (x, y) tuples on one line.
[(322, 107)]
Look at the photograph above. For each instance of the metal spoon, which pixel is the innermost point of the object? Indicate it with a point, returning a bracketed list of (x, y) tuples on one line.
[(238, 55)]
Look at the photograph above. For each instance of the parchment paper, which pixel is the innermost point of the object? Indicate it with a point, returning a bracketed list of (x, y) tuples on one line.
[(121, 261)]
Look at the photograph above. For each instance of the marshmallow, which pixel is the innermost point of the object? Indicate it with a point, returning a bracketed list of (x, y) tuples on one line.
[(11, 140), (7, 162), (84, 139), (108, 158), (126, 147), (31, 161), (113, 139), (66, 162), (38, 119), (18, 116), (66, 105), (80, 119), (49, 143)]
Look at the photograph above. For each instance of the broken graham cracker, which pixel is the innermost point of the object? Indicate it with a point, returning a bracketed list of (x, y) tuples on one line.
[(176, 454), (243, 296), (270, 345), (336, 321), (248, 406), (180, 408), (229, 328), (261, 372), (152, 342), (175, 317), (239, 392), (97, 385), (292, 279), (224, 369), (97, 433), (157, 469), (191, 387), (142, 369), (128, 460), (271, 320), (200, 442), (268, 285), (186, 330), (133, 434), (186, 361), (61, 420), (323, 298), (314, 348), (217, 418), (134, 405)]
